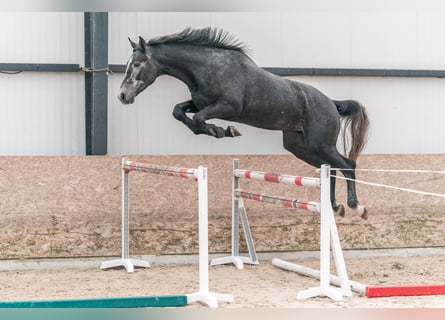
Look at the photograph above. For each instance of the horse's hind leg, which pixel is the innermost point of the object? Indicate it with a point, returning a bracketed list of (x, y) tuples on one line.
[(318, 155), (338, 208), (335, 159), (294, 142)]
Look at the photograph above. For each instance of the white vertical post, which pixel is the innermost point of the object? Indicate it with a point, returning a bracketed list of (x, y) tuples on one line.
[(238, 211), (125, 212), (325, 289), (204, 296), (325, 206), (203, 230), (345, 283), (235, 213)]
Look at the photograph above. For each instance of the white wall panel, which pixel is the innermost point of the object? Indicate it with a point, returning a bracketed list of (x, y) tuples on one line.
[(431, 40), (41, 37), (316, 39), (261, 32), (431, 112), (384, 40), (42, 113)]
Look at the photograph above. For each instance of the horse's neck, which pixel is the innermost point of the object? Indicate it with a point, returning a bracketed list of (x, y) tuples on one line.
[(178, 61)]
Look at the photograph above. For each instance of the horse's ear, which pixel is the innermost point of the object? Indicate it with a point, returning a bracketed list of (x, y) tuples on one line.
[(133, 44), (142, 43)]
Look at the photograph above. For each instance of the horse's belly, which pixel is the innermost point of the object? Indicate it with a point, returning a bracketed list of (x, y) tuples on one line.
[(282, 121)]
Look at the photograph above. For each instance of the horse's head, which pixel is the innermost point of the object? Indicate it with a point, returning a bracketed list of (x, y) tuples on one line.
[(141, 71)]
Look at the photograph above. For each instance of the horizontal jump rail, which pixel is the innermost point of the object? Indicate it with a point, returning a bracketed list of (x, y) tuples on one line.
[(159, 169), (284, 201), (272, 177), (405, 290), (109, 302)]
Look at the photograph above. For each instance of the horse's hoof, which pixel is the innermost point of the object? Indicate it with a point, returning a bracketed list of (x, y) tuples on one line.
[(340, 210), (231, 131), (362, 211), (216, 132), (212, 132), (364, 215)]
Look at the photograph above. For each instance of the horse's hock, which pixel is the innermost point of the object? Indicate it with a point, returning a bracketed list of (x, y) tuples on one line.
[(71, 206)]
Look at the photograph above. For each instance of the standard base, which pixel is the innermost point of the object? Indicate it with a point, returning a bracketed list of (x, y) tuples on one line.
[(128, 264), (238, 261), (329, 292), (209, 298)]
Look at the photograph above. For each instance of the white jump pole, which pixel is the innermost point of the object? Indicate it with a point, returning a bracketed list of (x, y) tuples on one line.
[(312, 273), (209, 298)]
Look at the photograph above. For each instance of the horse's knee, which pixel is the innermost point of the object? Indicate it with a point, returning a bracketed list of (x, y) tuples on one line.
[(178, 114), (180, 110), (198, 122)]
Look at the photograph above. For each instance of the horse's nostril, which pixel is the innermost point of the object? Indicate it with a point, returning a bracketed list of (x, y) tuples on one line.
[(122, 96)]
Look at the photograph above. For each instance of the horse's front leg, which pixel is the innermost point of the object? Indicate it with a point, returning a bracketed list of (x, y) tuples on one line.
[(180, 110), (199, 126), (219, 110)]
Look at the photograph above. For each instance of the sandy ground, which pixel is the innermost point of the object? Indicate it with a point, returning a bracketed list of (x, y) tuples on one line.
[(56, 207), (260, 286)]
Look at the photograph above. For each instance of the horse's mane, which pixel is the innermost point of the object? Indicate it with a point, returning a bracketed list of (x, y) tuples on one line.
[(206, 37)]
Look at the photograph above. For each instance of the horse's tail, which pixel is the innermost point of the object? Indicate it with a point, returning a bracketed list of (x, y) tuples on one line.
[(356, 120)]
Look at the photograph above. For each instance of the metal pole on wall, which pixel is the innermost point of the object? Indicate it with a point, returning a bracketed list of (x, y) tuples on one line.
[(96, 82)]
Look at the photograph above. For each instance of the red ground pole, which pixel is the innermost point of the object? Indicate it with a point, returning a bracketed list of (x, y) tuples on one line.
[(405, 290)]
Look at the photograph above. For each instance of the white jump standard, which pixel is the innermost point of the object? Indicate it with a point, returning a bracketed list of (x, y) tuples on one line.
[(328, 237), (125, 260), (328, 229), (238, 211), (200, 175)]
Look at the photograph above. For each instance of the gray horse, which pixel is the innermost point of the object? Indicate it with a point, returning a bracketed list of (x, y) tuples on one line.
[(226, 84)]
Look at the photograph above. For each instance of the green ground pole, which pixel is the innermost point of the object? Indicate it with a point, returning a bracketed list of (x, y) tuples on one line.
[(118, 302)]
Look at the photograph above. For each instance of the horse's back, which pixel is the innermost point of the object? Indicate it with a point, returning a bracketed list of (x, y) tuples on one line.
[(263, 99), (280, 98)]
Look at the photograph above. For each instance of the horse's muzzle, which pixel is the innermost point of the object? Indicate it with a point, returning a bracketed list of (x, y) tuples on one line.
[(125, 99)]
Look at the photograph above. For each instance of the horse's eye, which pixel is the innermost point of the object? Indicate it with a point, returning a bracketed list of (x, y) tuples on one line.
[(136, 64)]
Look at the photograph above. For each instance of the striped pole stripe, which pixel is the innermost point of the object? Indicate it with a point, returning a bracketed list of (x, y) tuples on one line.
[(284, 201), (272, 177), (159, 169)]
